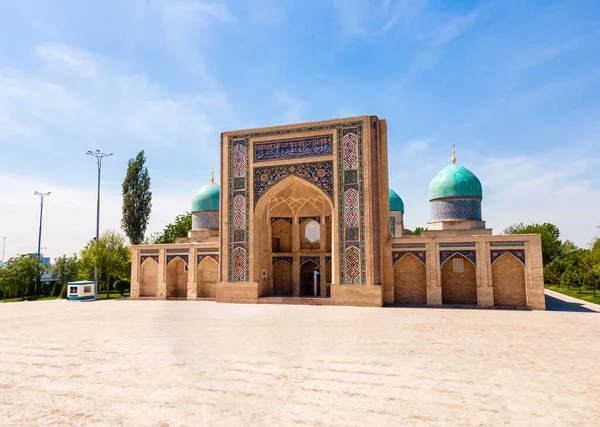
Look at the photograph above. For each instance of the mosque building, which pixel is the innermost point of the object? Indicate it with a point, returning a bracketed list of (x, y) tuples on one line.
[(304, 214)]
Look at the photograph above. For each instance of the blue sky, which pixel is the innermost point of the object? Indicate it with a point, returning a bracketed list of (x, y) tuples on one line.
[(514, 84)]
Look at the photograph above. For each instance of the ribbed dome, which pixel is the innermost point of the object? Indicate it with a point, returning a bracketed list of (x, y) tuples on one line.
[(207, 198), (455, 181), (396, 203)]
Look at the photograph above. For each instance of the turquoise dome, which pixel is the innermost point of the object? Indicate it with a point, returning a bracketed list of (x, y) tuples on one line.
[(396, 203), (207, 198), (455, 181)]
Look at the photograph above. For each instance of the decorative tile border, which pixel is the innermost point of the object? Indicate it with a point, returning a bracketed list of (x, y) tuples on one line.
[(398, 255), (304, 218), (314, 259), (456, 209), (149, 251), (517, 253), (393, 225), (239, 211), (145, 257), (178, 251), (458, 245), (408, 245), (170, 258), (205, 250), (293, 148), (318, 173), (288, 259), (470, 255), (507, 243), (199, 258)]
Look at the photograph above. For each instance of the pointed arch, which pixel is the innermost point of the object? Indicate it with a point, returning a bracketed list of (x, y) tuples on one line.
[(410, 283), (281, 236), (508, 281), (207, 276), (459, 280), (177, 278), (148, 278)]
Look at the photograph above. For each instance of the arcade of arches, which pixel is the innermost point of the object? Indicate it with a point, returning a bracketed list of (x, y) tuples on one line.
[(305, 214)]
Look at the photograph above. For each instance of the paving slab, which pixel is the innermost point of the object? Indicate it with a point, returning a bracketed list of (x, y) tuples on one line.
[(180, 363)]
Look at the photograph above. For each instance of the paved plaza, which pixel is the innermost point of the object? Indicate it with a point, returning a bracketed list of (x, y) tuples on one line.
[(172, 363)]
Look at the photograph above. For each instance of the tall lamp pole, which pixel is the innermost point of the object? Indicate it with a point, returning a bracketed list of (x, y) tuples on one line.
[(99, 156), (39, 251), (3, 247)]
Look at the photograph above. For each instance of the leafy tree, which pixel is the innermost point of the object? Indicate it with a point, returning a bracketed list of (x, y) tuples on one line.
[(551, 244), (20, 273), (65, 269), (112, 256), (418, 231), (137, 199), (178, 228), (122, 285)]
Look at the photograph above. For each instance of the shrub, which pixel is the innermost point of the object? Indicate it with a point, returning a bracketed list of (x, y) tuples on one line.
[(122, 286), (56, 288), (63, 291)]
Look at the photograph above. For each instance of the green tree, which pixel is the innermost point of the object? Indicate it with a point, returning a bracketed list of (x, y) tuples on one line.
[(112, 256), (20, 273), (551, 244), (178, 228), (65, 269), (137, 199), (418, 231)]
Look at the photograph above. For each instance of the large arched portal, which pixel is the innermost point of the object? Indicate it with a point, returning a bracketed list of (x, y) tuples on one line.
[(292, 223)]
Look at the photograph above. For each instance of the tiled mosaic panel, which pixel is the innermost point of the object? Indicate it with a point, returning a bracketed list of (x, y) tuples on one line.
[(458, 245), (353, 270), (507, 243), (393, 226), (205, 220), (456, 209), (470, 255), (293, 149), (517, 253), (318, 173), (351, 205), (239, 208), (398, 255), (277, 218)]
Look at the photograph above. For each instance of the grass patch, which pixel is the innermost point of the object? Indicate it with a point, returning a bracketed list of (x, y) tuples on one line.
[(18, 299), (114, 295), (574, 292)]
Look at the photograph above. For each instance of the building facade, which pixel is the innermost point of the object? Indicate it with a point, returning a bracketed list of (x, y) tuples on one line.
[(304, 214)]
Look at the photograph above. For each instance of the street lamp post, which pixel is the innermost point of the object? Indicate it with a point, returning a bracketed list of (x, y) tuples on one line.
[(39, 253), (3, 247), (99, 156)]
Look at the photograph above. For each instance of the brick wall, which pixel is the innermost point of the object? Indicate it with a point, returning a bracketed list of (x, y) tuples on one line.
[(282, 278), (207, 276), (148, 278), (459, 288), (410, 284)]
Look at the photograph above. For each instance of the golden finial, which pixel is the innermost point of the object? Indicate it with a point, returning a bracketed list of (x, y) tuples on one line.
[(212, 176), (453, 155)]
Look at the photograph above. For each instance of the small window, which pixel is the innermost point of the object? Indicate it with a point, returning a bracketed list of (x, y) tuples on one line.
[(73, 290), (87, 289), (312, 232), (458, 265)]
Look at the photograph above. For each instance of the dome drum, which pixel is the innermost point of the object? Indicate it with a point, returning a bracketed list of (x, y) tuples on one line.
[(205, 220), (456, 209)]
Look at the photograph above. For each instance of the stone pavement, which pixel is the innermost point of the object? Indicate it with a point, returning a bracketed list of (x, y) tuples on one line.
[(171, 363)]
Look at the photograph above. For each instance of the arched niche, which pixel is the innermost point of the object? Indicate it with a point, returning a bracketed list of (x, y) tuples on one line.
[(281, 235), (282, 278), (410, 283), (177, 278), (508, 281), (459, 281), (307, 279), (207, 276), (148, 278)]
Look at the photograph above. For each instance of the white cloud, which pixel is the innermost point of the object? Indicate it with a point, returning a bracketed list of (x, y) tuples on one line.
[(293, 107)]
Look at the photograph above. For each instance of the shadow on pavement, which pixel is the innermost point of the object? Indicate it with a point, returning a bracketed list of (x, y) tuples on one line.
[(556, 304)]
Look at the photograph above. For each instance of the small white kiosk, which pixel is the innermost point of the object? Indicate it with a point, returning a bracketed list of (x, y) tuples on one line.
[(80, 291)]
